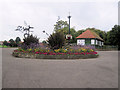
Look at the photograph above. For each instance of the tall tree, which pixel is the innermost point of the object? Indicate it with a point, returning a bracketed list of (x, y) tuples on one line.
[(114, 35), (63, 26), (79, 32), (60, 25)]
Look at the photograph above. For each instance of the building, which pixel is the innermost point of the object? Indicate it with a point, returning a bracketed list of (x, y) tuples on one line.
[(89, 38), (1, 42)]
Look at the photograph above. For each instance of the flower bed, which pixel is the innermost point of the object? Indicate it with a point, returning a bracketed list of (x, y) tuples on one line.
[(56, 54)]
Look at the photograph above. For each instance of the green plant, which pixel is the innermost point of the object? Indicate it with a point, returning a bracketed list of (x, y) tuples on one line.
[(30, 39), (44, 42), (5, 43), (56, 40), (12, 43)]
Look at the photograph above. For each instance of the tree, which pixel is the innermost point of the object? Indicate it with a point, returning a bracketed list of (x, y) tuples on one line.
[(12, 43), (44, 42), (30, 39), (60, 25), (56, 40), (63, 26), (17, 40), (5, 43), (114, 35), (79, 32)]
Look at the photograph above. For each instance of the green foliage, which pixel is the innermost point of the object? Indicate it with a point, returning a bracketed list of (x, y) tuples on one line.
[(79, 32), (3, 46), (5, 43), (17, 40), (30, 39), (56, 40), (114, 35), (44, 42), (60, 25), (12, 43)]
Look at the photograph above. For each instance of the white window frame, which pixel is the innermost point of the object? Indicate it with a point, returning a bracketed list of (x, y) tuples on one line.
[(96, 42), (92, 41), (81, 42), (100, 43)]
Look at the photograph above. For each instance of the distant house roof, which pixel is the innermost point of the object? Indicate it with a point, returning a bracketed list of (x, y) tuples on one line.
[(89, 34)]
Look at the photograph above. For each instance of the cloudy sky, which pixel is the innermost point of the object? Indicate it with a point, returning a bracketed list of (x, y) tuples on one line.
[(42, 15)]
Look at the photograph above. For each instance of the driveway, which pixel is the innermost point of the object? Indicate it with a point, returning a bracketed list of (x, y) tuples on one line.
[(99, 72)]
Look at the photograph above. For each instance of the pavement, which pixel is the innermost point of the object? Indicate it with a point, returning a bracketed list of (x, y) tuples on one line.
[(101, 72)]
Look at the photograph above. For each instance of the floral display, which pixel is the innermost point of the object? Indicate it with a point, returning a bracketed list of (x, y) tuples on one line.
[(62, 51)]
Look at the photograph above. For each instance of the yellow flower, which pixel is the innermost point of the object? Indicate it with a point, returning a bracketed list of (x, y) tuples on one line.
[(57, 50), (91, 50), (30, 50)]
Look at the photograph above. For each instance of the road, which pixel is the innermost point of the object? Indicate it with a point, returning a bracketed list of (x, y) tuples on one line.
[(99, 72)]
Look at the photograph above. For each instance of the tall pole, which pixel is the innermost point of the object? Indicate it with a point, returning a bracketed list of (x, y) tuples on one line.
[(69, 21), (69, 24)]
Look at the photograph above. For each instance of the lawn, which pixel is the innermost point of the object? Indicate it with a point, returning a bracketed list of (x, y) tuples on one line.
[(3, 46)]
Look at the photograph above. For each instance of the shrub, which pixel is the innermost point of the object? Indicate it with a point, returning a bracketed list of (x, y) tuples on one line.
[(30, 42), (56, 40), (5, 43), (12, 43), (44, 42), (30, 39)]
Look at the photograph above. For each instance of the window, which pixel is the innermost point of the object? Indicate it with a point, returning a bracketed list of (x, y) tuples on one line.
[(100, 43), (92, 41), (80, 42), (96, 42), (83, 42)]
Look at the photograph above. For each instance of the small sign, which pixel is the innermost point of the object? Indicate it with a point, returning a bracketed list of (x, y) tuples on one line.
[(68, 36)]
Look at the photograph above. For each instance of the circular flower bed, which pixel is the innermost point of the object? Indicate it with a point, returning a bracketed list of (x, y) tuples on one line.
[(70, 53)]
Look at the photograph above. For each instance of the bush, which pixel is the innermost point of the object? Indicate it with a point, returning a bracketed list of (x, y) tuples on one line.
[(56, 40), (44, 42), (30, 42), (12, 43), (5, 43), (30, 39)]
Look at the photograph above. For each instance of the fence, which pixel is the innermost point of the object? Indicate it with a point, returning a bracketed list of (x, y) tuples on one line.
[(107, 48)]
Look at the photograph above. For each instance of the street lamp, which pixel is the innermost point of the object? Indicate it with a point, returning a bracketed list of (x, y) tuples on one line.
[(69, 21), (69, 36)]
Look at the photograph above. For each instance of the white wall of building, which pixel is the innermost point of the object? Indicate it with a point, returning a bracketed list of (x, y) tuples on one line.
[(92, 41)]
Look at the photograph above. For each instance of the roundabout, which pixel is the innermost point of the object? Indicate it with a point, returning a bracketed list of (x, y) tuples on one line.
[(55, 54)]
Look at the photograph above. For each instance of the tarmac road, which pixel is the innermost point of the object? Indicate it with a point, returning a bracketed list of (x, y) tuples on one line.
[(99, 72)]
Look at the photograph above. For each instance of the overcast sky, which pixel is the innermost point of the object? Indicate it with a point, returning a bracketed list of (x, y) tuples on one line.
[(43, 15)]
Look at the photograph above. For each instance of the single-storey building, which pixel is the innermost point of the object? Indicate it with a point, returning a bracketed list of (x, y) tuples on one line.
[(89, 38), (1, 42)]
